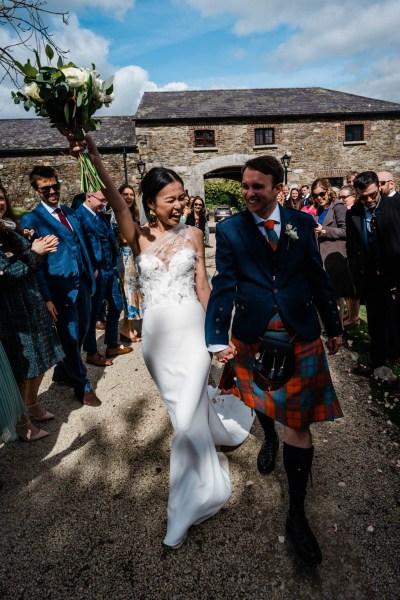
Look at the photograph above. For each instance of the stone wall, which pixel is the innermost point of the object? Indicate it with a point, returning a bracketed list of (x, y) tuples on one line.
[(14, 173), (317, 148)]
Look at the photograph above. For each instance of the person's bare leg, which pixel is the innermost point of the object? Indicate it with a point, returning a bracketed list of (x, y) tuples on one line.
[(35, 409), (25, 428)]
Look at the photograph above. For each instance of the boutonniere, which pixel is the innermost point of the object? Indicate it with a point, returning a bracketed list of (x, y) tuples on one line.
[(291, 232)]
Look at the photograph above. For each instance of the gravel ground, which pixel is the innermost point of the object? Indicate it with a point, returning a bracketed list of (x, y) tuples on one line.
[(83, 512)]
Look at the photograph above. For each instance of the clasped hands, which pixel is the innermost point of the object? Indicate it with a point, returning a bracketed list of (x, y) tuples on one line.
[(224, 356)]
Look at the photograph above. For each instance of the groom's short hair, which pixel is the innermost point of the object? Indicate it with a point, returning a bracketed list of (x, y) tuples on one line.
[(267, 165)]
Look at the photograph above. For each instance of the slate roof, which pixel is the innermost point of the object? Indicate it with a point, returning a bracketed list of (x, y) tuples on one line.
[(36, 135), (280, 102)]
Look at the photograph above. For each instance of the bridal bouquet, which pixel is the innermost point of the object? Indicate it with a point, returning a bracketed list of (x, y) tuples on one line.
[(69, 96)]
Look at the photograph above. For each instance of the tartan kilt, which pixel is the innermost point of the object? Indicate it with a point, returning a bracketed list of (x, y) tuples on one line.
[(307, 397)]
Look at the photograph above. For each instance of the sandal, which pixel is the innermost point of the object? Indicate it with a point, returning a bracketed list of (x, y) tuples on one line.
[(98, 360)]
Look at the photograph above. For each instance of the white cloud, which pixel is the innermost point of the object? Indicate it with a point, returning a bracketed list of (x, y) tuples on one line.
[(117, 7)]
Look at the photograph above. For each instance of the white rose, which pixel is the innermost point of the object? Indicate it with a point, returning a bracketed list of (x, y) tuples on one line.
[(105, 98), (75, 77), (32, 91)]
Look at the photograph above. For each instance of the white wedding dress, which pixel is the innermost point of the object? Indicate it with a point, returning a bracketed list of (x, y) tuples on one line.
[(176, 356)]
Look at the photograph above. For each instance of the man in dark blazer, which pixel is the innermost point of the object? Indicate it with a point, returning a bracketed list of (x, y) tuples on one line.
[(104, 256), (270, 271), (373, 251), (66, 281)]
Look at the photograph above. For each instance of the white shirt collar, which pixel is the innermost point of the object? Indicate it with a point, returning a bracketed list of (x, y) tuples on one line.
[(275, 216), (50, 209), (89, 209)]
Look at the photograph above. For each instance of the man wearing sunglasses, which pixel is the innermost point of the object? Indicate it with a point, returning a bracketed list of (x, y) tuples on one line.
[(66, 281), (373, 251), (387, 184), (104, 256)]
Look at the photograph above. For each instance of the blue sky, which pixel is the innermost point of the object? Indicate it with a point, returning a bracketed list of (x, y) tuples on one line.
[(351, 46)]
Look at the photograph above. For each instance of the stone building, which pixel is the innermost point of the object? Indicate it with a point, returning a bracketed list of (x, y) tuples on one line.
[(28, 142), (211, 133)]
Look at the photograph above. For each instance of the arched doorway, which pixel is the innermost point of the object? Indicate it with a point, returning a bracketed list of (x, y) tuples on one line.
[(222, 167)]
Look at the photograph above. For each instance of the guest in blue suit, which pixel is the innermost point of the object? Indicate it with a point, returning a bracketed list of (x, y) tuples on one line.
[(104, 256), (66, 281), (270, 271)]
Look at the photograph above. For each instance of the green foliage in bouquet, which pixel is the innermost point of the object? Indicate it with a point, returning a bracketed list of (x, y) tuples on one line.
[(69, 96)]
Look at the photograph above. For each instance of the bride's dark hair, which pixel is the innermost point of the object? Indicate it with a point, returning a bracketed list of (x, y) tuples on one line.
[(153, 182)]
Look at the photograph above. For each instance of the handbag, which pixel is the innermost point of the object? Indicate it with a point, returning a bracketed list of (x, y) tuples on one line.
[(274, 363)]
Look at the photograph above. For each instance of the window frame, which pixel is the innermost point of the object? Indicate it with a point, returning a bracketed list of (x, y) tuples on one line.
[(200, 135), (353, 127), (263, 131)]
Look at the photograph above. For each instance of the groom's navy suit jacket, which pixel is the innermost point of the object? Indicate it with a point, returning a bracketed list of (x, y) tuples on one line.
[(257, 281), (59, 279)]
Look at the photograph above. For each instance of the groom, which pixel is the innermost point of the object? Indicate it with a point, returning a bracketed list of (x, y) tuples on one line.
[(270, 271)]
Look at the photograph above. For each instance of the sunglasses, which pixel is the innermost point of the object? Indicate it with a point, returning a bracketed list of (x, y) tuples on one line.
[(371, 196), (198, 205), (46, 189), (344, 197), (320, 195), (385, 182)]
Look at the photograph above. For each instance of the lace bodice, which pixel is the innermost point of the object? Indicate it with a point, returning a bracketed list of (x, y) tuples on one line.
[(166, 270)]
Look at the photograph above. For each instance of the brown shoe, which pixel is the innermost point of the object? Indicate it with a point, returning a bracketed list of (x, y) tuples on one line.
[(111, 352), (98, 360), (90, 399), (100, 325)]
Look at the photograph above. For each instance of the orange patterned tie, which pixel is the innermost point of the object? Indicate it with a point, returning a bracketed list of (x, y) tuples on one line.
[(271, 234)]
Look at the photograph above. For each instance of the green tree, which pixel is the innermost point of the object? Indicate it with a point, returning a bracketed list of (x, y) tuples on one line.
[(223, 191)]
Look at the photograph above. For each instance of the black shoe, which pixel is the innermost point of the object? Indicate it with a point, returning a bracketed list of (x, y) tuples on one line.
[(62, 380), (267, 454), (298, 531)]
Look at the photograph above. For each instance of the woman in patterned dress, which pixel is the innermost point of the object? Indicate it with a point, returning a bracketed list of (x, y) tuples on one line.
[(27, 331), (131, 329)]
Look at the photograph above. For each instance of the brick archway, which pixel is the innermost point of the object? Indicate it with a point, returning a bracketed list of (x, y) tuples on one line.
[(196, 179)]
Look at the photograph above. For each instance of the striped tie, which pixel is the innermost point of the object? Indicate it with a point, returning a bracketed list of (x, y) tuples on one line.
[(271, 234)]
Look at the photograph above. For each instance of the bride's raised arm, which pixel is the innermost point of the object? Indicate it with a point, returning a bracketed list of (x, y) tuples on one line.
[(127, 226)]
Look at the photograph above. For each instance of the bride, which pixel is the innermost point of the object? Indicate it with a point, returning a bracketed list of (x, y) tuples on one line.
[(170, 259)]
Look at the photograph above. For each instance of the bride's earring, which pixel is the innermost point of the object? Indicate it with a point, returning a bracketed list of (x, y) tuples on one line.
[(153, 217)]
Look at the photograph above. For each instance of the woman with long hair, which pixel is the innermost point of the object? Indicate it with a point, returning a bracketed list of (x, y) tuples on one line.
[(27, 331), (131, 329), (330, 229), (294, 200), (173, 277), (197, 217)]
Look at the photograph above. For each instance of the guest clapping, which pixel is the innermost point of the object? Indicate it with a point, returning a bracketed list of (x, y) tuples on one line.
[(26, 328)]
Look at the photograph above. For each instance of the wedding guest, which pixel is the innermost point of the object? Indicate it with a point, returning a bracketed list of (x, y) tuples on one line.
[(331, 235), (66, 280), (294, 200), (350, 177), (347, 194), (305, 194), (269, 269), (373, 249), (310, 208), (26, 328), (104, 257), (197, 217), (131, 329)]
